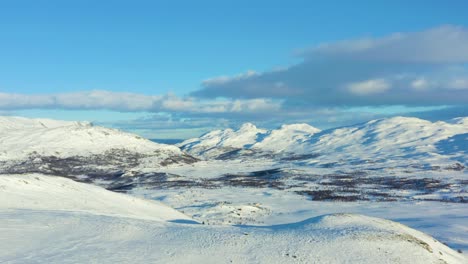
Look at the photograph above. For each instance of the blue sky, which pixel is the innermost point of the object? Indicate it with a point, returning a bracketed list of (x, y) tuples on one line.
[(179, 68)]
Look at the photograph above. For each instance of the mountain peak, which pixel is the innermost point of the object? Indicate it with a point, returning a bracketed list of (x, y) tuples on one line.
[(300, 127), (247, 126), (398, 120)]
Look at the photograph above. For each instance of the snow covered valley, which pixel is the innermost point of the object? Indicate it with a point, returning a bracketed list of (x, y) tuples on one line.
[(56, 220), (77, 193)]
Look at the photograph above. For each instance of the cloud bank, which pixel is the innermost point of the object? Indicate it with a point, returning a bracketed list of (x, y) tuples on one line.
[(415, 69), (128, 102)]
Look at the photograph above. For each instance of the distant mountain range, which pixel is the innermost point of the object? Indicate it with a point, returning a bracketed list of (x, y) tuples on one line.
[(74, 148), (397, 138), (354, 157)]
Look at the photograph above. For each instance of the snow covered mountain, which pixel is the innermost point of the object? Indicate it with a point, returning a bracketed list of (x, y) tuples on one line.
[(284, 138), (55, 220), (376, 140), (248, 137), (217, 142), (21, 137), (396, 138), (61, 147)]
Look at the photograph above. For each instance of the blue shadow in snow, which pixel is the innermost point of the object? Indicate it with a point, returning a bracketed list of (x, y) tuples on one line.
[(184, 221), (451, 145)]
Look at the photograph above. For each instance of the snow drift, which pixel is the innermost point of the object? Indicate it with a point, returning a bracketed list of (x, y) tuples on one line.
[(40, 192)]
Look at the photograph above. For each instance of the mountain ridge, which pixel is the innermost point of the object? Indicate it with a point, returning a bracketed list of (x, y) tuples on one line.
[(74, 148), (389, 138)]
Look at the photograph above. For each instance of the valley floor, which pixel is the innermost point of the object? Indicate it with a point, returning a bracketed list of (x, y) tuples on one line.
[(446, 222)]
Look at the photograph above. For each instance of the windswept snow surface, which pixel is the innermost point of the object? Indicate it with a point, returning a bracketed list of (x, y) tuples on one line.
[(39, 192), (46, 233)]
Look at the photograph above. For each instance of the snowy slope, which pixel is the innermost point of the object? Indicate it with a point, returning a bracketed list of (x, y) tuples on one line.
[(13, 122), (50, 237), (390, 138), (286, 137), (397, 137), (39, 192), (19, 137), (77, 148), (54, 220), (219, 141), (460, 121), (248, 136)]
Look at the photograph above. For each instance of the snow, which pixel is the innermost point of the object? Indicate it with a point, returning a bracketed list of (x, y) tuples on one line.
[(52, 233), (286, 136), (393, 137), (248, 136), (16, 122), (21, 138), (460, 121), (266, 206), (382, 140), (407, 170), (211, 143), (39, 192)]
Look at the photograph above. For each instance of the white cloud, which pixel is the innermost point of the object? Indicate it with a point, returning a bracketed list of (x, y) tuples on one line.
[(129, 102), (254, 105), (424, 68), (374, 86), (174, 103), (103, 100), (13, 101), (419, 84), (225, 79), (437, 45)]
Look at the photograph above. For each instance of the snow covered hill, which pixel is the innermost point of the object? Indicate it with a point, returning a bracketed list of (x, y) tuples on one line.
[(248, 136), (217, 142), (389, 139), (397, 137), (21, 137), (55, 220), (60, 147), (281, 139), (39, 192)]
